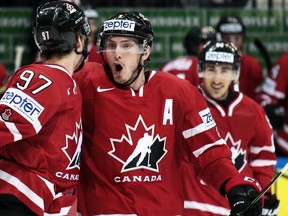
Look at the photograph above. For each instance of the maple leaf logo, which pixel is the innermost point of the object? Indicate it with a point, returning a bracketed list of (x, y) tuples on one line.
[(139, 148), (238, 154), (73, 147), (7, 114)]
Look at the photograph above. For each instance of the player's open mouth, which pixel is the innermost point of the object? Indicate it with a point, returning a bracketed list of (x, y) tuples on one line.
[(216, 86), (118, 67)]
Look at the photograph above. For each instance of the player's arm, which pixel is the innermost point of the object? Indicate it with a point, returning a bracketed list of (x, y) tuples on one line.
[(24, 105), (263, 159), (274, 92)]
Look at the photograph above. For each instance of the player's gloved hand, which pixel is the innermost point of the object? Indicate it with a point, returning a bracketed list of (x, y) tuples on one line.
[(241, 191), (276, 114), (271, 205)]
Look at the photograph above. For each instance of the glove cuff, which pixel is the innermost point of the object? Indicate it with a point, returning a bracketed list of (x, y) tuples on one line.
[(241, 180)]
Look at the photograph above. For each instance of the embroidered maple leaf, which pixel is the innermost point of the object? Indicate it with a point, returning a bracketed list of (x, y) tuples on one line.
[(139, 147), (73, 147), (238, 153), (6, 114)]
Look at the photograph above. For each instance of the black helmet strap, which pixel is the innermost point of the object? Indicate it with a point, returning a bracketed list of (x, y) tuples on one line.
[(84, 52)]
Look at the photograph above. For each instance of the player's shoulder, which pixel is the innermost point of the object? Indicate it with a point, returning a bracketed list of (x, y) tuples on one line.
[(174, 82), (249, 59), (92, 74), (90, 69), (179, 63), (43, 69), (283, 59), (32, 70), (168, 77), (251, 104), (92, 66)]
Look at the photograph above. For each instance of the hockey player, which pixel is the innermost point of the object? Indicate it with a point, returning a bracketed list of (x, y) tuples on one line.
[(93, 18), (40, 123), (232, 29), (124, 105), (3, 78), (275, 102), (185, 67), (241, 122)]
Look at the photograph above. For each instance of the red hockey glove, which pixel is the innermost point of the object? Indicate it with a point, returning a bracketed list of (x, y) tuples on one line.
[(241, 191), (271, 205)]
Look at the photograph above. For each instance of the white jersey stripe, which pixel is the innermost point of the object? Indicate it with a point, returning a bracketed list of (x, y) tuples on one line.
[(194, 131), (206, 207), (63, 211), (281, 142), (257, 150), (79, 214), (37, 200), (262, 163), (13, 130), (207, 146)]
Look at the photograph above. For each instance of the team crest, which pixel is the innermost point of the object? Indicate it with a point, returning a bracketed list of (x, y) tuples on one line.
[(71, 141), (139, 148), (238, 154)]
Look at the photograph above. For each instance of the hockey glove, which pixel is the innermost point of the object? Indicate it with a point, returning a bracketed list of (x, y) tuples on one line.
[(276, 115), (271, 205), (241, 191)]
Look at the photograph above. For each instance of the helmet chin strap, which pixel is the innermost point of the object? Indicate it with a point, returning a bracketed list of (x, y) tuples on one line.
[(85, 53)]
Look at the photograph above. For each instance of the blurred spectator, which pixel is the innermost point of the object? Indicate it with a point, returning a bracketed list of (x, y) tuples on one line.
[(3, 78), (232, 29), (185, 67), (93, 18), (274, 99)]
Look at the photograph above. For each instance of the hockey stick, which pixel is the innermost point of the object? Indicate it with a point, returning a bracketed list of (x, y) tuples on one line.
[(19, 50), (264, 53), (284, 169), (149, 153)]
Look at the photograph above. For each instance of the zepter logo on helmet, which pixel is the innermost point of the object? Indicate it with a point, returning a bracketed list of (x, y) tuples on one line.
[(55, 24), (130, 24), (219, 52)]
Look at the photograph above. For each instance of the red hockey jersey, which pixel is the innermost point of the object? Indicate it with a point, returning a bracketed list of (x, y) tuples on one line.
[(251, 76), (275, 91), (94, 56), (40, 138), (134, 140), (185, 67), (3, 75), (246, 130)]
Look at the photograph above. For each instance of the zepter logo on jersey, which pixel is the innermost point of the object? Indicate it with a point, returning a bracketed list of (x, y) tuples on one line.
[(207, 118), (140, 148), (23, 104)]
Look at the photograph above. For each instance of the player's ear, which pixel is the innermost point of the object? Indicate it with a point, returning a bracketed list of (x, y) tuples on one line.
[(80, 42), (147, 53)]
